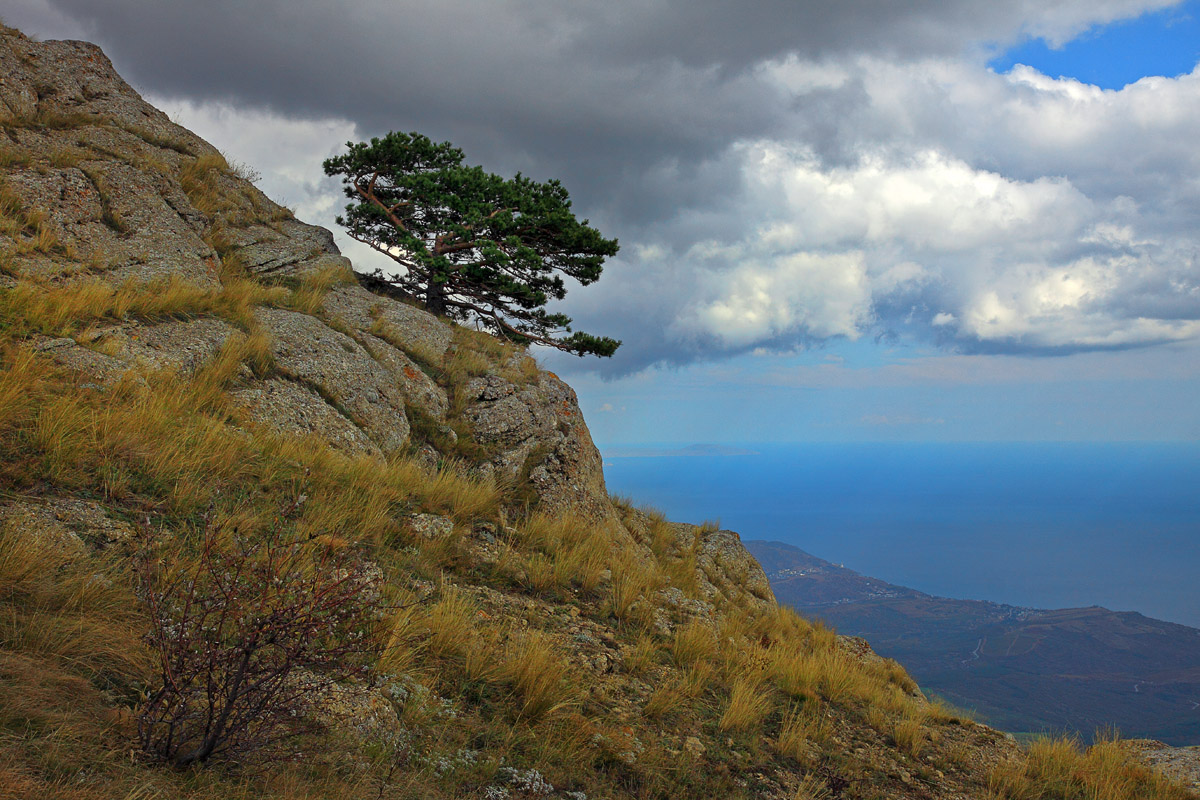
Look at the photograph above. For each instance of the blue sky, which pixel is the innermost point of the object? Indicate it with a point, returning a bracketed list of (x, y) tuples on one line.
[(1165, 42), (942, 221)]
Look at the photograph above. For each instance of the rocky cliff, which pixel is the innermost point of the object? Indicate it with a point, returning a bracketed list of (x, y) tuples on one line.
[(181, 354)]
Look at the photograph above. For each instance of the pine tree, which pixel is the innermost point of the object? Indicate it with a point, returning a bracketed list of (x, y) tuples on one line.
[(472, 245)]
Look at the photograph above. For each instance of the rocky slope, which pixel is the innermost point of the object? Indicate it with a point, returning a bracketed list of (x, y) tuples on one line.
[(183, 357)]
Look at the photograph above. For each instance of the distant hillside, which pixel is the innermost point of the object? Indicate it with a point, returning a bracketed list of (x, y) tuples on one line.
[(1022, 669)]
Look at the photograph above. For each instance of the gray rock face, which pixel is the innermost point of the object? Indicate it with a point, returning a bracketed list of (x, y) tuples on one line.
[(180, 345), (157, 244), (62, 77), (727, 569), (415, 330), (291, 408), (183, 346), (1178, 763), (340, 370), (65, 523), (292, 249), (539, 429), (111, 175), (431, 526), (91, 366), (418, 388)]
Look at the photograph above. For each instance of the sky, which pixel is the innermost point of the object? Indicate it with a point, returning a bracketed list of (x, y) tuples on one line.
[(854, 221)]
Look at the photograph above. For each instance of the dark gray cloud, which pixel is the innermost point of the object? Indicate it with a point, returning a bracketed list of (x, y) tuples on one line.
[(780, 173), (597, 92)]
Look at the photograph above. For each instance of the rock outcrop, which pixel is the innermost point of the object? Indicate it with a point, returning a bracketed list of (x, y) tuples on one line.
[(119, 195)]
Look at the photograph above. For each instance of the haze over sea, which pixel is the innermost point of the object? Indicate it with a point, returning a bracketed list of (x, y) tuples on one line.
[(1047, 525)]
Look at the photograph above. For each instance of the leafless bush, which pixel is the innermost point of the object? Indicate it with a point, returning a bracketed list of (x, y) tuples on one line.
[(249, 631)]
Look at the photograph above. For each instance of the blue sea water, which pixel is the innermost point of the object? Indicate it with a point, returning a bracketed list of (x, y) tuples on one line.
[(1047, 525)]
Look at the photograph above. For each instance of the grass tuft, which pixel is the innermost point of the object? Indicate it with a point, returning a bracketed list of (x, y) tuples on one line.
[(537, 673), (748, 706), (1057, 768)]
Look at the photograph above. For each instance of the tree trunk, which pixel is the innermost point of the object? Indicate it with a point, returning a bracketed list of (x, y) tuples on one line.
[(435, 299)]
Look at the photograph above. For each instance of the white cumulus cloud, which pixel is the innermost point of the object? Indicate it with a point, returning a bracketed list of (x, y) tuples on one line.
[(1017, 212)]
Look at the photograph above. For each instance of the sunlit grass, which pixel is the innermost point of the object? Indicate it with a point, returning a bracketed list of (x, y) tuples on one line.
[(64, 310), (1058, 768)]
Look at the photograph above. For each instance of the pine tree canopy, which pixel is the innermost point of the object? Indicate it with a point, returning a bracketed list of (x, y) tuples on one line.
[(472, 244)]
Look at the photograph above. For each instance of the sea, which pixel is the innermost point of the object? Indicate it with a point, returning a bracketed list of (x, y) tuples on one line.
[(1043, 525)]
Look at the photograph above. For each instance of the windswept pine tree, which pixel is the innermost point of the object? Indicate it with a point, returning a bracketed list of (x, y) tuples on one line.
[(471, 244)]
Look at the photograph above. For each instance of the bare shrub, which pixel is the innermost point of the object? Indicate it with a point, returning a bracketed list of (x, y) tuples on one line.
[(250, 631)]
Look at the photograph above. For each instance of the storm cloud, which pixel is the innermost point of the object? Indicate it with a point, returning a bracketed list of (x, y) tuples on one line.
[(779, 173)]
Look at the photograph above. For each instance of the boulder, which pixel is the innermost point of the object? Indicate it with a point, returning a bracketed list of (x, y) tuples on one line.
[(66, 523), (416, 331), (107, 353), (291, 248), (537, 432), (419, 389), (290, 407), (337, 368)]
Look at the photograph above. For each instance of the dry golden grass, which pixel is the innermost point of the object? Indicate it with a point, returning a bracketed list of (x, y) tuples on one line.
[(665, 699), (549, 532), (898, 676), (909, 735), (940, 711), (748, 706), (795, 671), (64, 310), (537, 673), (473, 353), (782, 623), (451, 624), (662, 536), (1056, 768), (566, 552), (29, 228), (210, 381), (166, 437), (200, 181), (582, 563), (222, 192), (693, 642), (802, 731), (14, 156), (431, 362), (66, 157), (61, 604), (50, 120), (641, 656), (311, 288), (22, 376), (679, 695), (631, 586), (812, 787), (816, 667), (683, 572), (696, 680), (539, 572), (448, 490)]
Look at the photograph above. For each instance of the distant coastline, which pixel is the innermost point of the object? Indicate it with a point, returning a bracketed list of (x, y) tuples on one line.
[(1042, 525)]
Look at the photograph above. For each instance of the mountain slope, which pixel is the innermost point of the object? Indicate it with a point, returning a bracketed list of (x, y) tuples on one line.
[(1023, 669), (185, 369)]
